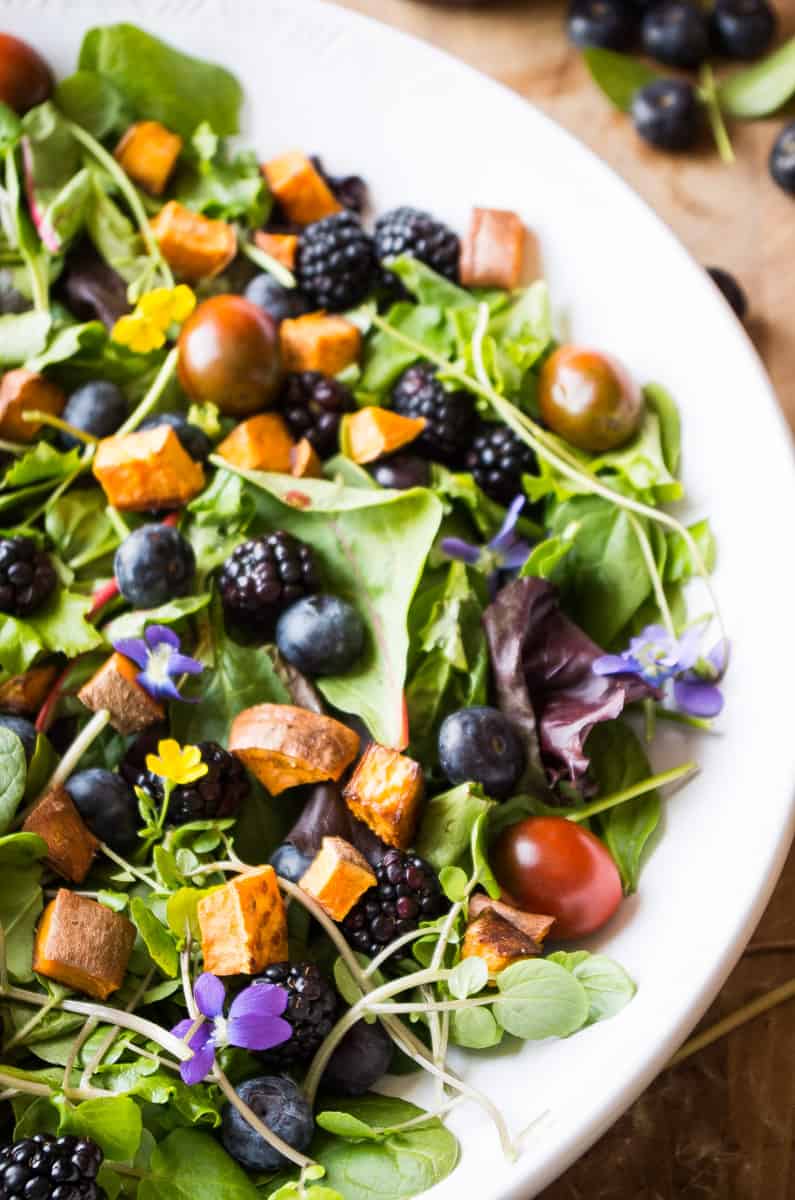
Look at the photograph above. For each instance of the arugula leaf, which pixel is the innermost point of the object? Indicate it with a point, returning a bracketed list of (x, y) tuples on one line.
[(40, 463), (22, 335), (68, 342), (606, 984), (762, 89), (161, 83), (618, 760), (21, 903), (132, 624), (219, 519), (221, 185), (189, 1165), (157, 938), (372, 546), (78, 524), (429, 287), (13, 770), (60, 628), (114, 1123), (618, 75), (540, 999), (93, 101)]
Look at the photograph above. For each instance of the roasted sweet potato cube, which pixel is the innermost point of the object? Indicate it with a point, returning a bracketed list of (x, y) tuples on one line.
[(300, 188), (261, 443), (83, 945), (496, 940), (536, 926), (492, 253), (337, 877), (281, 246), (195, 247), (115, 687), (243, 924), (373, 432), (285, 746), (385, 791), (70, 844), (319, 342), (146, 470), (148, 152), (24, 694), (24, 391), (304, 462)]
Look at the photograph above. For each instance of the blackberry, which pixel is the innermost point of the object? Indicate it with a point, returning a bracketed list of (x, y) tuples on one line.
[(498, 458), (449, 416), (336, 265), (265, 575), (27, 576), (312, 405), (311, 1010), (44, 1167), (406, 893), (350, 190), (408, 231), (219, 793)]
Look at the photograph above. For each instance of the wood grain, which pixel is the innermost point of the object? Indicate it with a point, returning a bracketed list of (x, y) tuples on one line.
[(722, 1125)]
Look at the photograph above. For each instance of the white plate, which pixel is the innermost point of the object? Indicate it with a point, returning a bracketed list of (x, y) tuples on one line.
[(426, 130)]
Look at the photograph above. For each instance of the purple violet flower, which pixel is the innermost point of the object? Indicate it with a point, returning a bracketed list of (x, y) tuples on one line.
[(157, 654), (505, 552), (254, 1022), (657, 657)]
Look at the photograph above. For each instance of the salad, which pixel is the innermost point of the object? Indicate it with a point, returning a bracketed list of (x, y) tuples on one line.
[(339, 603)]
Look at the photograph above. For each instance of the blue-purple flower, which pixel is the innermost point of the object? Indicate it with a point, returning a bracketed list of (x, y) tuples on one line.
[(505, 552), (254, 1022), (658, 658), (157, 653)]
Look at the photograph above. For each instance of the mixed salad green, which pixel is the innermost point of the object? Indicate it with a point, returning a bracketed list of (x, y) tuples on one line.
[(410, 546)]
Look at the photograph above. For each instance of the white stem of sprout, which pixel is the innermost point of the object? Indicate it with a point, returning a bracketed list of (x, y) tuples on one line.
[(78, 748), (110, 1037)]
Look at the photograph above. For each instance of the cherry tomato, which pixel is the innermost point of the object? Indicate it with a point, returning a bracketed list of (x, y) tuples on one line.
[(588, 399), (229, 354), (25, 78), (554, 866)]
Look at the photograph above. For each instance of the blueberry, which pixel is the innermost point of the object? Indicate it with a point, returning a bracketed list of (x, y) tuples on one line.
[(282, 1107), (782, 159), (266, 292), (731, 289), (288, 861), (108, 805), (402, 471), (667, 114), (24, 729), (194, 441), (321, 635), (360, 1060), (676, 32), (481, 745), (608, 23), (743, 28), (98, 408), (154, 564)]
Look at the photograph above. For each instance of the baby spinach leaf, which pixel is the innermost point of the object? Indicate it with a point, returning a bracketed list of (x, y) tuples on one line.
[(22, 335), (474, 1028), (132, 624), (762, 89), (113, 1122), (606, 984), (20, 906), (189, 1165), (21, 849), (618, 760), (663, 404), (372, 546), (78, 524), (13, 770), (618, 75), (540, 999), (92, 100), (40, 463), (161, 83), (157, 938)]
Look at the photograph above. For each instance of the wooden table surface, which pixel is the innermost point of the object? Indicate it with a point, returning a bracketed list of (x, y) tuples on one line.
[(722, 1125)]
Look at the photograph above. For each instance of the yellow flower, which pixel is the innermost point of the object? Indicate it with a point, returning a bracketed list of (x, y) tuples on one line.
[(166, 305), (138, 333), (178, 764)]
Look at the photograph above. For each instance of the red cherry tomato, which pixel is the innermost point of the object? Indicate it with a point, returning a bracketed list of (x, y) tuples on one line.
[(554, 866), (229, 354), (25, 78)]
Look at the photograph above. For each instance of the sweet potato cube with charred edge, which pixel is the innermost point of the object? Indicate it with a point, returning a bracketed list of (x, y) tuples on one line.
[(281, 246), (148, 152), (319, 342), (385, 791), (115, 687), (372, 432), (243, 924), (536, 926), (492, 253), (83, 945), (24, 391), (497, 941), (304, 462), (146, 470), (285, 746), (261, 443), (337, 877), (300, 188), (195, 247), (23, 694), (70, 844)]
